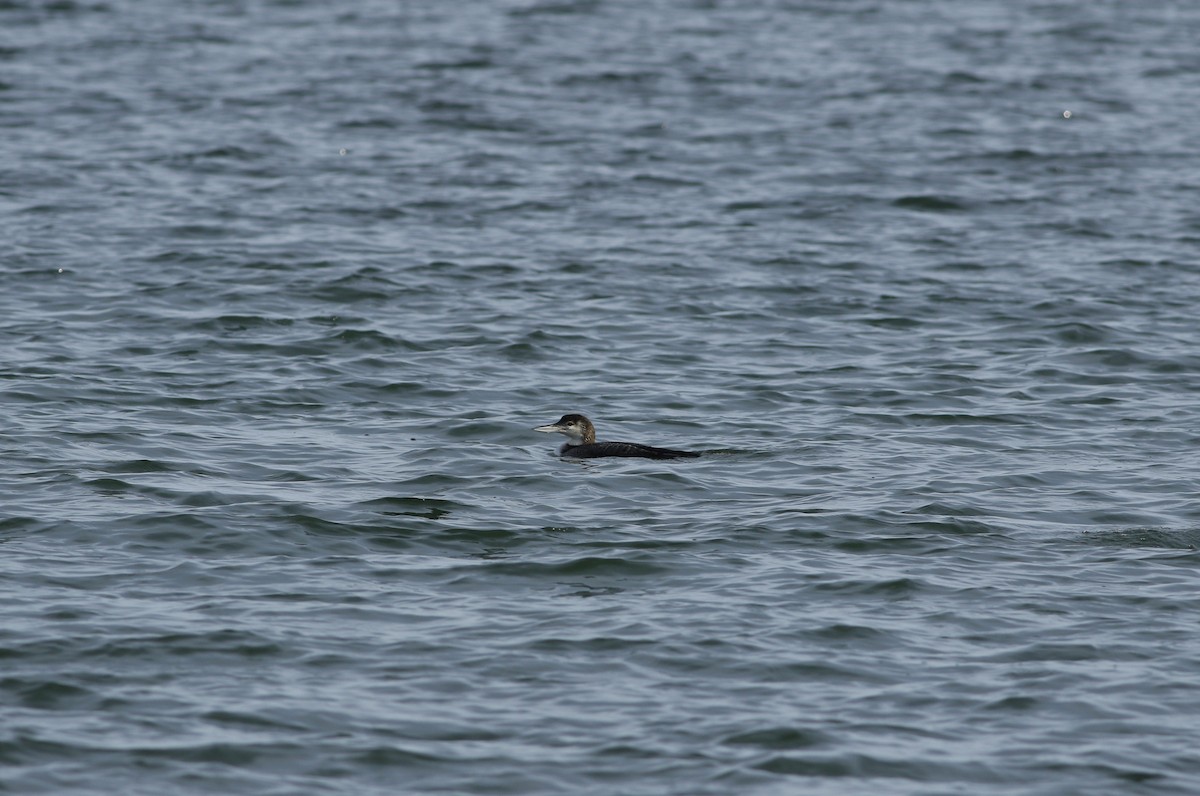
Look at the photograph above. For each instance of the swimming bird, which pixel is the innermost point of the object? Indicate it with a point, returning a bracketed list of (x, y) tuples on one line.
[(581, 442)]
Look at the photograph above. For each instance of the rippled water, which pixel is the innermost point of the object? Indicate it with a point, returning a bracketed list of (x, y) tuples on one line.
[(285, 286)]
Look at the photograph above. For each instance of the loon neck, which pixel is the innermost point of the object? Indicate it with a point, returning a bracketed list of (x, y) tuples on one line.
[(589, 435)]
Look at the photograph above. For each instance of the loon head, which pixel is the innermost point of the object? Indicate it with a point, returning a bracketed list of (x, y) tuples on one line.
[(578, 429)]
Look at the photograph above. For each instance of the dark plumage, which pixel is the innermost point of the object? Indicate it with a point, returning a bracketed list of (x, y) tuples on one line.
[(581, 442)]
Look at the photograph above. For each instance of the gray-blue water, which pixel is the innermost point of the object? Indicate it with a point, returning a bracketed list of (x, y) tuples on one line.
[(284, 287)]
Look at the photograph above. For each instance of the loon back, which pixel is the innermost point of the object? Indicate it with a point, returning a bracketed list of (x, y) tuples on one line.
[(596, 450), (581, 442)]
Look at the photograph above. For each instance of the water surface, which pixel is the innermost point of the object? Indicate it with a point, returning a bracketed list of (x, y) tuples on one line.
[(285, 285)]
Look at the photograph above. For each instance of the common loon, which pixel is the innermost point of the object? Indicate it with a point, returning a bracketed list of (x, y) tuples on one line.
[(581, 442)]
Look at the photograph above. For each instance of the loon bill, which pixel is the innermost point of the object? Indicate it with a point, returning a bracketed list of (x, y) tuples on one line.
[(581, 442)]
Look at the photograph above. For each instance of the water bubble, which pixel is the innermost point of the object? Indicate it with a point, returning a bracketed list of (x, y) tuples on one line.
[(342, 151), (1066, 114)]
